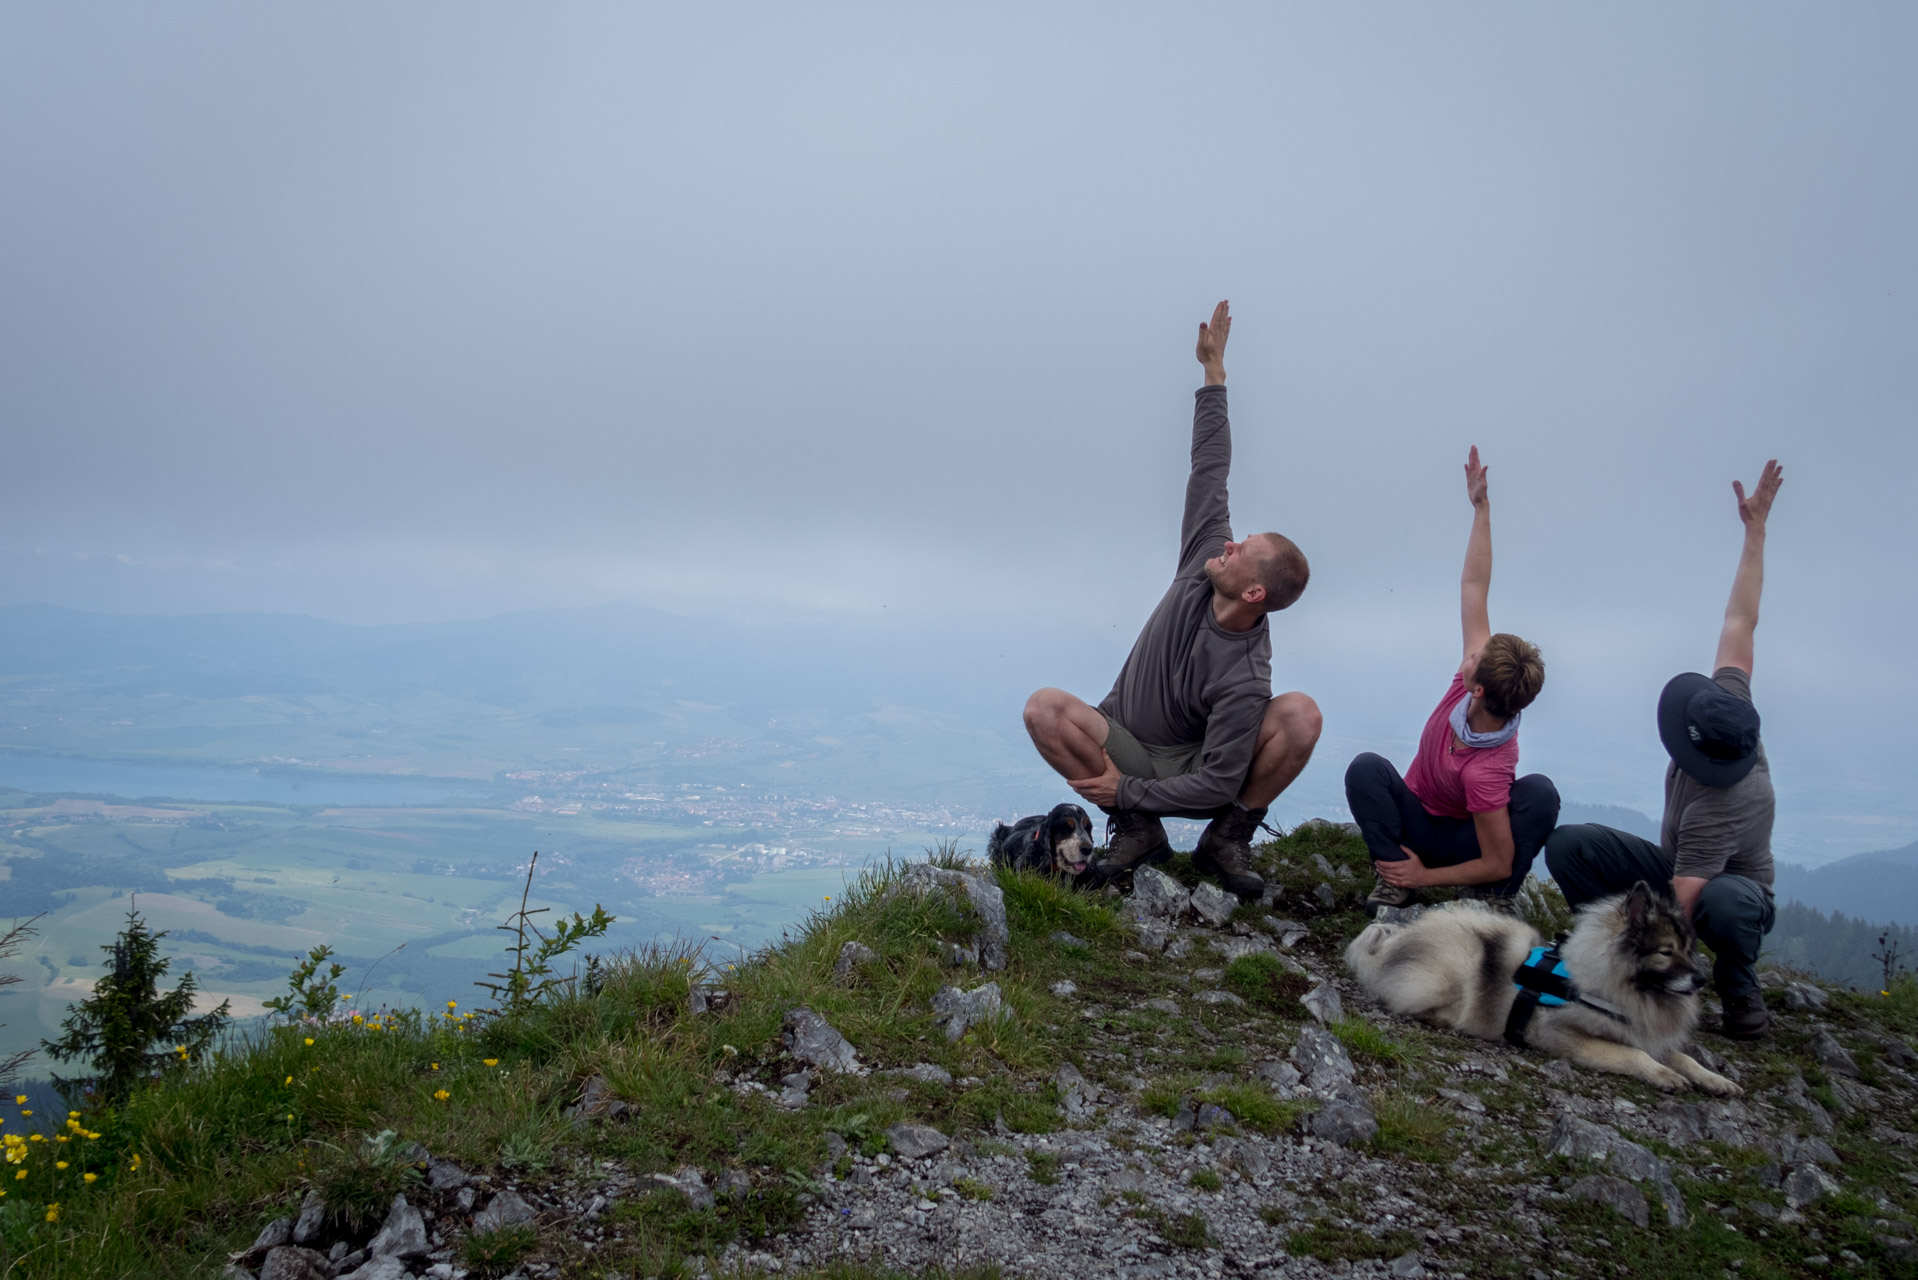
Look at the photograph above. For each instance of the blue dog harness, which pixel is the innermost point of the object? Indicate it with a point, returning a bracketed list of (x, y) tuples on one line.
[(1543, 981)]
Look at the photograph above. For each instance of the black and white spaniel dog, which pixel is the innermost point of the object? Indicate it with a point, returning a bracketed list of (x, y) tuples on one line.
[(1057, 843)]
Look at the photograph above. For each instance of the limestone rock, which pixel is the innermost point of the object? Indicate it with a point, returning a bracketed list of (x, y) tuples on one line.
[(1323, 1002), (1802, 997), (312, 1217), (1153, 932), (1280, 1075), (1832, 1056), (851, 956), (962, 1010), (1220, 997), (1212, 904), (1156, 894), (984, 898), (1616, 1194), (814, 1041), (1581, 1139), (1075, 1091), (1323, 892), (388, 1268), (506, 1209), (1347, 1120), (403, 1235), (927, 1073), (1322, 1061), (1063, 988), (1065, 939), (597, 1101), (444, 1175), (916, 1141), (272, 1236), (1161, 1004), (1807, 1184), (291, 1262)]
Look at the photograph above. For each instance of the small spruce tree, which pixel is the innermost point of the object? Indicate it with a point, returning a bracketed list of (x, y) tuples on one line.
[(129, 1031)]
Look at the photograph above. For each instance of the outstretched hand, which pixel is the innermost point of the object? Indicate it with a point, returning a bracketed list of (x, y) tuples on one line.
[(1757, 507), (1102, 790), (1212, 338), (1475, 479)]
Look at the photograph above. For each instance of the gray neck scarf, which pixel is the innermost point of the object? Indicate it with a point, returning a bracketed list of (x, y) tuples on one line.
[(1472, 737)]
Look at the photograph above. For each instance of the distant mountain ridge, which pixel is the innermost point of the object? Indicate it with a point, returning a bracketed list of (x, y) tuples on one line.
[(1881, 887)]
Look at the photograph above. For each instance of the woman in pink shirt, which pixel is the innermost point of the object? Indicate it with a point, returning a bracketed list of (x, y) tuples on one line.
[(1461, 816)]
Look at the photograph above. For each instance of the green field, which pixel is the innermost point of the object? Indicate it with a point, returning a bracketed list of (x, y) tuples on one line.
[(408, 897)]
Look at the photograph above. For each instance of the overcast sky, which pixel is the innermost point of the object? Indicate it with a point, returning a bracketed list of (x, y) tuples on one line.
[(387, 312)]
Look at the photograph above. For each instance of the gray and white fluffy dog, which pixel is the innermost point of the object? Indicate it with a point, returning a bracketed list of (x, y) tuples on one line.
[(1057, 843), (1632, 954)]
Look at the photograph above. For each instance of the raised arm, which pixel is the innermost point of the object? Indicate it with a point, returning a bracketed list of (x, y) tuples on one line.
[(1741, 613), (1475, 583), (1207, 515)]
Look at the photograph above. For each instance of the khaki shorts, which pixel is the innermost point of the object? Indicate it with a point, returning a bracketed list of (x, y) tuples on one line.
[(1137, 760)]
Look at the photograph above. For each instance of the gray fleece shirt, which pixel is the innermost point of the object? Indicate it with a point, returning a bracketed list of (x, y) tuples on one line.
[(1187, 678)]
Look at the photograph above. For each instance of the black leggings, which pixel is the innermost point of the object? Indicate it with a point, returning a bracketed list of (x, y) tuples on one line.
[(1389, 815)]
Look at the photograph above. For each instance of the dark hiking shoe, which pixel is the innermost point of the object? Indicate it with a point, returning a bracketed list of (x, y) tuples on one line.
[(1746, 1017), (1385, 895), (1225, 850), (1132, 839)]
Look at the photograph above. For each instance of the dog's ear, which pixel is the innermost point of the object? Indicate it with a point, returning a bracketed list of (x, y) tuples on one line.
[(1639, 904)]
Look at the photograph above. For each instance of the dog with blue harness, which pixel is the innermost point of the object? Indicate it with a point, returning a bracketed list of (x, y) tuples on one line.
[(1619, 993)]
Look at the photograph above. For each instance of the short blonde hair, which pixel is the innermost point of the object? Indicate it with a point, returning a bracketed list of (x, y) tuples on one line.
[(1282, 571), (1512, 673)]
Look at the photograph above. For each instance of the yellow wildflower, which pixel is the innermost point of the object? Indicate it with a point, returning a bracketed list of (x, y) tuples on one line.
[(452, 1004), (25, 1112), (135, 1166), (20, 1098), (287, 1081), (59, 1164), (441, 1095), (61, 1138), (53, 1213), (89, 1177), (19, 1175), (436, 1066), (73, 1115), (491, 1062), (309, 1040), (358, 1020)]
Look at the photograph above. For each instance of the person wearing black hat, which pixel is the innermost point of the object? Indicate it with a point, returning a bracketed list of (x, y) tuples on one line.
[(1715, 842)]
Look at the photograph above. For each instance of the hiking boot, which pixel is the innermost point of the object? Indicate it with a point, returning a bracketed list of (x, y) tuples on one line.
[(1225, 850), (1387, 895), (1132, 838), (1746, 1017)]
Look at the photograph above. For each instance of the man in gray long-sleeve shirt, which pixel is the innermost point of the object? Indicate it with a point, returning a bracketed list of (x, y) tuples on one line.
[(1191, 728)]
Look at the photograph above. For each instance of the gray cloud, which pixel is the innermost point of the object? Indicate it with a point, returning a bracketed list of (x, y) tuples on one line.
[(440, 311)]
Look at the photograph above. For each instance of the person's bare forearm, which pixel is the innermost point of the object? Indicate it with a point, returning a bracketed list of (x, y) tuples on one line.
[(1475, 581), (1686, 889), (1749, 583), (1735, 639)]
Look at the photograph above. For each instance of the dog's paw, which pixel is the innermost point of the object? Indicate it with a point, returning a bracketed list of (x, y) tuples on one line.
[(1713, 1083), (1670, 1081)]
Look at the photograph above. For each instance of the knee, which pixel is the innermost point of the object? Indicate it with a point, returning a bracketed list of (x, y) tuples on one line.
[(1564, 850), (1042, 709), (1297, 717), (1537, 797), (1365, 767)]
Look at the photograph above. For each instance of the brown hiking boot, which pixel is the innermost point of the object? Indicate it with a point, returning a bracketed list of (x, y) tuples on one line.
[(1385, 895), (1132, 838), (1746, 1017), (1225, 850)]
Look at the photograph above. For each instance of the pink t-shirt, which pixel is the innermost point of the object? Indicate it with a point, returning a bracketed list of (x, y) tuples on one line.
[(1453, 781)]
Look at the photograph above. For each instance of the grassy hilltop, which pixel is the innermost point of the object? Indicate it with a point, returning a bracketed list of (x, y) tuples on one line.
[(1135, 1107)]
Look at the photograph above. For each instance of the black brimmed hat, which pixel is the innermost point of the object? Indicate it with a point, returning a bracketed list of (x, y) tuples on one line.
[(1709, 731)]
